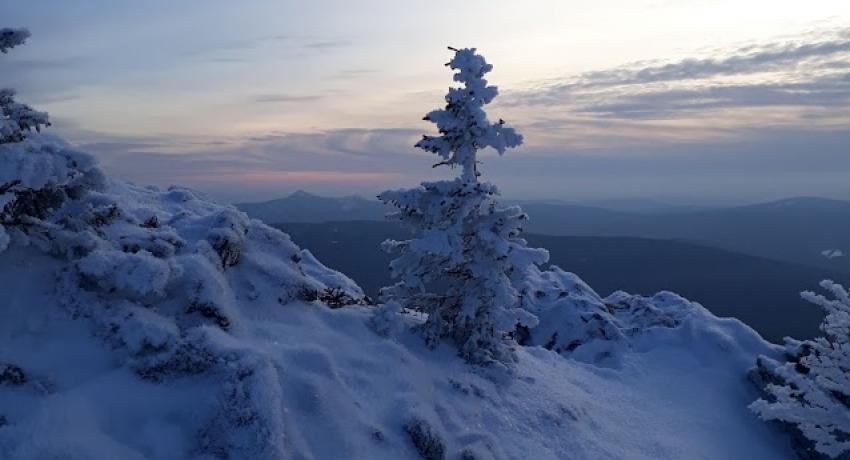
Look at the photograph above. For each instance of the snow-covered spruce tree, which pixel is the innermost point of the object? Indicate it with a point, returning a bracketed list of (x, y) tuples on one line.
[(811, 391), (16, 118), (36, 175), (464, 267)]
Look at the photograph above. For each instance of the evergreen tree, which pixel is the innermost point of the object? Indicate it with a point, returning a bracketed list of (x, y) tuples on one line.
[(37, 175), (812, 390), (467, 261), (16, 118)]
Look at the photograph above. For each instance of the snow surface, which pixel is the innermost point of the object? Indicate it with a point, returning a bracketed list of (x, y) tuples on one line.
[(157, 325)]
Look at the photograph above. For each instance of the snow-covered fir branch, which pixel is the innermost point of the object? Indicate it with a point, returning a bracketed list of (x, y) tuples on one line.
[(812, 390), (15, 118)]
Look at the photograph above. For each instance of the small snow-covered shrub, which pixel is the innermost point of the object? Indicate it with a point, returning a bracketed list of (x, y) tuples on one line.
[(468, 258), (189, 356), (37, 178), (212, 312), (811, 390), (136, 275), (333, 297), (427, 442), (386, 319), (12, 375), (227, 236), (250, 423), (143, 331)]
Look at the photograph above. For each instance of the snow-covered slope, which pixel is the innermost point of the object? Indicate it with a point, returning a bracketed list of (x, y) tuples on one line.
[(137, 323)]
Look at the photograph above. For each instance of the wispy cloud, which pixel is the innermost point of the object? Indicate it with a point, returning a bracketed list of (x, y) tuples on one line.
[(286, 98), (826, 92), (326, 45), (808, 72), (229, 51), (350, 74)]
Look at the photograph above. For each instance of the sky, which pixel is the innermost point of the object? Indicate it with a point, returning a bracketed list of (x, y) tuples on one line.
[(684, 101)]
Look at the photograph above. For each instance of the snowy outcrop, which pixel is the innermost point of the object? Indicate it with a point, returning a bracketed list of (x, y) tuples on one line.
[(576, 322), (164, 280)]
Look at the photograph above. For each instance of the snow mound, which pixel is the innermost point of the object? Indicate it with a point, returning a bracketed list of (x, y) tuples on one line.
[(145, 324), (576, 322)]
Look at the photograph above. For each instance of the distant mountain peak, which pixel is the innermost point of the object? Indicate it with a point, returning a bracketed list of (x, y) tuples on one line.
[(303, 194)]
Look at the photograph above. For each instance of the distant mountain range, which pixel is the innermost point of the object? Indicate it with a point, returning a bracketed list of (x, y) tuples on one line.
[(810, 231), (761, 292), (306, 207)]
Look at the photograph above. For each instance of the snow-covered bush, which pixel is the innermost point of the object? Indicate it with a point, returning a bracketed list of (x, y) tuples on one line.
[(811, 391), (426, 441), (468, 258), (130, 275), (12, 375), (36, 176)]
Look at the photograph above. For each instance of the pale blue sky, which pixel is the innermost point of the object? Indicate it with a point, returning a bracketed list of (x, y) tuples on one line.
[(689, 100)]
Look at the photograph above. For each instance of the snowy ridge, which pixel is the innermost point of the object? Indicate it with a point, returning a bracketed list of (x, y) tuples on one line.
[(149, 324)]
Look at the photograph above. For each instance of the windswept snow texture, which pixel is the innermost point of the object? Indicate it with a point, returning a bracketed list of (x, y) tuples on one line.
[(145, 324)]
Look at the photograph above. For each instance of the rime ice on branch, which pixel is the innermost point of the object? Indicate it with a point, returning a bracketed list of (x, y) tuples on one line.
[(36, 176), (16, 118), (468, 262), (812, 390), (463, 125)]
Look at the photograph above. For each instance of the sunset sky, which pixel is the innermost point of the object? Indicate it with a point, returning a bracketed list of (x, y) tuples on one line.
[(687, 101)]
